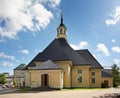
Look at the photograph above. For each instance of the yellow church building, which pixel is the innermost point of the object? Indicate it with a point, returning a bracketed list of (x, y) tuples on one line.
[(58, 66)]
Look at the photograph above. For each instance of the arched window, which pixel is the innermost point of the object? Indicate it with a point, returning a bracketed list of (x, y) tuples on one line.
[(60, 30), (80, 79)]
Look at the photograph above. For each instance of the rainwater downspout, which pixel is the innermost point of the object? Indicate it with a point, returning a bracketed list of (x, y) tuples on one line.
[(30, 76)]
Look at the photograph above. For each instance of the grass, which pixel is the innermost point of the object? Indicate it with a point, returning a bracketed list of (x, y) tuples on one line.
[(83, 88), (27, 89), (24, 89)]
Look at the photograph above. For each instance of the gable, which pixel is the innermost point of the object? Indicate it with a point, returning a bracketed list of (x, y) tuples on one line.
[(47, 65)]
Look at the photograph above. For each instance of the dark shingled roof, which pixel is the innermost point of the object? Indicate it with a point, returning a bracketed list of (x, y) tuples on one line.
[(31, 64), (89, 57), (47, 65), (109, 71), (106, 74), (59, 50)]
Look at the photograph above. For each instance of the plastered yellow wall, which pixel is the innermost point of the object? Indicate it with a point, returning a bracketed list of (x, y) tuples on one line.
[(66, 66), (27, 78), (68, 77), (97, 78), (110, 81), (55, 78), (85, 76)]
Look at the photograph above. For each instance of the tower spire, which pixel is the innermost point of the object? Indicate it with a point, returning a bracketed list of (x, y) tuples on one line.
[(61, 18), (61, 30)]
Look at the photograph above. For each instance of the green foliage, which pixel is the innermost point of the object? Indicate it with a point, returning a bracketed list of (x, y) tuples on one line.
[(116, 75), (14, 82), (2, 79)]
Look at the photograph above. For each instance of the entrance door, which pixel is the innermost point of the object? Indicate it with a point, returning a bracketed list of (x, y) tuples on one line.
[(106, 83), (44, 80)]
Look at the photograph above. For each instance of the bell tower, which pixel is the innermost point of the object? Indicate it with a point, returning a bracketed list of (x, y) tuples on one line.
[(61, 29)]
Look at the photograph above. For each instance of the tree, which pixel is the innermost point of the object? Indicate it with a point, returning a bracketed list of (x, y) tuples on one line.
[(2, 79), (116, 75)]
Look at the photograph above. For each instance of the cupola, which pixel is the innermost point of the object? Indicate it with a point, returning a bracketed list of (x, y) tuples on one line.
[(61, 29)]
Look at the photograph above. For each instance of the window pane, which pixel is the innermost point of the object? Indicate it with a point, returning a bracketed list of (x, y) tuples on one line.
[(93, 80), (80, 71), (79, 79), (93, 73)]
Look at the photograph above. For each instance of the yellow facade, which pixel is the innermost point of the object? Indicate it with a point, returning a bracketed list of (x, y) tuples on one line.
[(55, 78), (68, 77), (109, 80), (84, 75), (66, 66), (97, 77)]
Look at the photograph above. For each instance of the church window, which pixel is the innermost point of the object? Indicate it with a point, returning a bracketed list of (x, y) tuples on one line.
[(80, 71), (93, 73), (93, 80), (80, 79)]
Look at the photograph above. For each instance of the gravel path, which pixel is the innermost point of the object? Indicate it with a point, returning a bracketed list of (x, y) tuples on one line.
[(107, 93)]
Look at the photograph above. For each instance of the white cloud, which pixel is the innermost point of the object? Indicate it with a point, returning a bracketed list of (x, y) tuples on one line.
[(51, 3), (111, 21), (81, 45), (116, 49), (6, 63), (10, 57), (25, 51), (22, 15), (116, 61), (113, 40), (115, 17), (102, 47)]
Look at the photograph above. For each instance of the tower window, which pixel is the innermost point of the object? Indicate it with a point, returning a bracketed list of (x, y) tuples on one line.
[(60, 30), (64, 31)]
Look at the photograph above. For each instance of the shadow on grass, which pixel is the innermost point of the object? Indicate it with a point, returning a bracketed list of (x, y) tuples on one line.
[(31, 90)]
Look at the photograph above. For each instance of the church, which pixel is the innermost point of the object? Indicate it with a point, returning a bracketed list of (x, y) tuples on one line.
[(60, 66)]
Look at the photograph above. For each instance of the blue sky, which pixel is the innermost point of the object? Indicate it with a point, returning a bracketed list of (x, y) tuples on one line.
[(28, 27)]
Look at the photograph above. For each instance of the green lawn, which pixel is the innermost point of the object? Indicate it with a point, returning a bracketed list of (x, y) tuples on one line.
[(25, 89), (84, 89)]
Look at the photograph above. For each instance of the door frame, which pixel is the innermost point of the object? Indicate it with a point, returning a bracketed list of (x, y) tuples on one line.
[(44, 79)]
